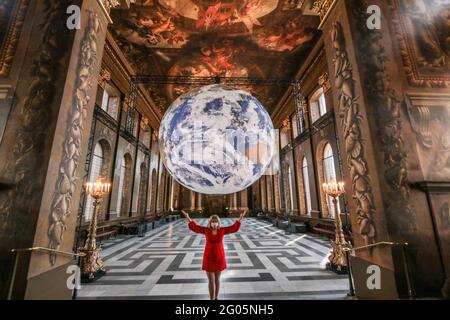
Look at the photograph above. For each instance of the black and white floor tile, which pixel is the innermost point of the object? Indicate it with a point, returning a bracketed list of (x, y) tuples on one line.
[(263, 263)]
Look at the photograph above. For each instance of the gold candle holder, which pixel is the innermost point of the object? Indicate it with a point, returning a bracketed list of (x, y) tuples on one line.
[(337, 259), (91, 262)]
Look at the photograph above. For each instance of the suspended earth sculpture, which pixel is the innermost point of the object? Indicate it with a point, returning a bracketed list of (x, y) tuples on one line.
[(216, 140)]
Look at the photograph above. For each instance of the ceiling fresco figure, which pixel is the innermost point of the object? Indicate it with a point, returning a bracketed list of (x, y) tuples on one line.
[(207, 38)]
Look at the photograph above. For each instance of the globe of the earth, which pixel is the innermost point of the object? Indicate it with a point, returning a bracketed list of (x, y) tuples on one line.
[(216, 140)]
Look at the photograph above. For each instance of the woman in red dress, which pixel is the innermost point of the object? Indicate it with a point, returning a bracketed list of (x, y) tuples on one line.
[(214, 261)]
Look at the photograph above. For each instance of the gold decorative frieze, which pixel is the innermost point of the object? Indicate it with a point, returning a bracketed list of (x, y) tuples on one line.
[(155, 135), (107, 5), (110, 4), (11, 35), (105, 76), (324, 82), (286, 124), (322, 7), (144, 123)]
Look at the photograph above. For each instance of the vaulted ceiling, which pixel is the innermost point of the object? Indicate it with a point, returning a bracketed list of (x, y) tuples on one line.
[(207, 38)]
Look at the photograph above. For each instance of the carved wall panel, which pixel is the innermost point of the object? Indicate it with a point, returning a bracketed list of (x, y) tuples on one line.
[(422, 28), (429, 115), (29, 142), (386, 103), (349, 112), (71, 159)]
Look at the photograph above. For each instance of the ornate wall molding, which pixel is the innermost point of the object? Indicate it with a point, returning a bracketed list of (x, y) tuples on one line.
[(321, 7), (421, 109), (426, 62), (105, 76), (72, 145), (352, 132), (324, 82), (12, 35), (429, 115)]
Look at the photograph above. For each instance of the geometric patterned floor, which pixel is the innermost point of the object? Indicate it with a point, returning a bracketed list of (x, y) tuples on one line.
[(263, 263)]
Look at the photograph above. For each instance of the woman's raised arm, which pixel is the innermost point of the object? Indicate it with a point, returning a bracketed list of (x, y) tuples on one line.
[(192, 225), (195, 227), (233, 228), (237, 224)]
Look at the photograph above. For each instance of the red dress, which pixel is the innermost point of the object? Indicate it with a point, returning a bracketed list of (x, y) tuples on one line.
[(214, 255)]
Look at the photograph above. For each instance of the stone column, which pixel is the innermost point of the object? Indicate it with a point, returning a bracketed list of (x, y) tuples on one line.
[(45, 142), (244, 200), (199, 202), (234, 204), (176, 195), (381, 163), (192, 200)]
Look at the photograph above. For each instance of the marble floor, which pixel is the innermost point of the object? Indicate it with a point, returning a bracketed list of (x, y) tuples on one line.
[(263, 263)]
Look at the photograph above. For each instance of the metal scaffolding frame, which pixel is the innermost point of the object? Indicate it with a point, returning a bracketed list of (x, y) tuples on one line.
[(232, 81)]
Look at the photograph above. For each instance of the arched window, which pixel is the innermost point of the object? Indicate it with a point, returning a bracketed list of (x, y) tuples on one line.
[(318, 106), (124, 186), (306, 186), (291, 189), (95, 171), (329, 173), (110, 100)]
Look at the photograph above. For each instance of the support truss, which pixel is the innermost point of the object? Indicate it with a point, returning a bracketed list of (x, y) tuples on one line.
[(203, 81)]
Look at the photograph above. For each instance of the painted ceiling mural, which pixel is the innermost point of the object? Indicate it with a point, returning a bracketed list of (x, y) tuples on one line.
[(227, 38)]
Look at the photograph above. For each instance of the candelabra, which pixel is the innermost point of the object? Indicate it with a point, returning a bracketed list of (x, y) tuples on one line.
[(91, 262), (337, 259)]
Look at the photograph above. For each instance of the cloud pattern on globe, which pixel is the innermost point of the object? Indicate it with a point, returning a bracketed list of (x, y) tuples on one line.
[(216, 140)]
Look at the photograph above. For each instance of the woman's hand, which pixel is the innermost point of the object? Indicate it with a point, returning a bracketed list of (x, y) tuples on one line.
[(243, 214), (186, 215)]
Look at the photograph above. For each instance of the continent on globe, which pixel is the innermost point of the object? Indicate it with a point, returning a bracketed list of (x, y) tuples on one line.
[(216, 140)]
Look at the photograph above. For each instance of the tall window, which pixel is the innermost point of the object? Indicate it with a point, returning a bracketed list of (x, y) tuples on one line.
[(318, 105), (294, 125), (110, 101), (329, 172), (306, 186), (95, 172), (284, 136), (291, 189)]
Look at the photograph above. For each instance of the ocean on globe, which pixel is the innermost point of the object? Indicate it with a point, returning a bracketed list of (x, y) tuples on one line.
[(216, 140)]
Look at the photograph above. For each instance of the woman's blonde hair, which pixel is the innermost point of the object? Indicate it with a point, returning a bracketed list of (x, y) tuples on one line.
[(213, 217)]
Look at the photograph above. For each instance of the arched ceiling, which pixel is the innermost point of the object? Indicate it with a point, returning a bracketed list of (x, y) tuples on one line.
[(227, 38)]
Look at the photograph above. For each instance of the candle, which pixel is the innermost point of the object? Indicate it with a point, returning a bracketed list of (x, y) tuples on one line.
[(98, 188)]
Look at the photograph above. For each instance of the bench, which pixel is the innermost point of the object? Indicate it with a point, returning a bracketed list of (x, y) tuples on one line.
[(298, 227), (172, 217), (106, 232), (283, 224), (131, 227)]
